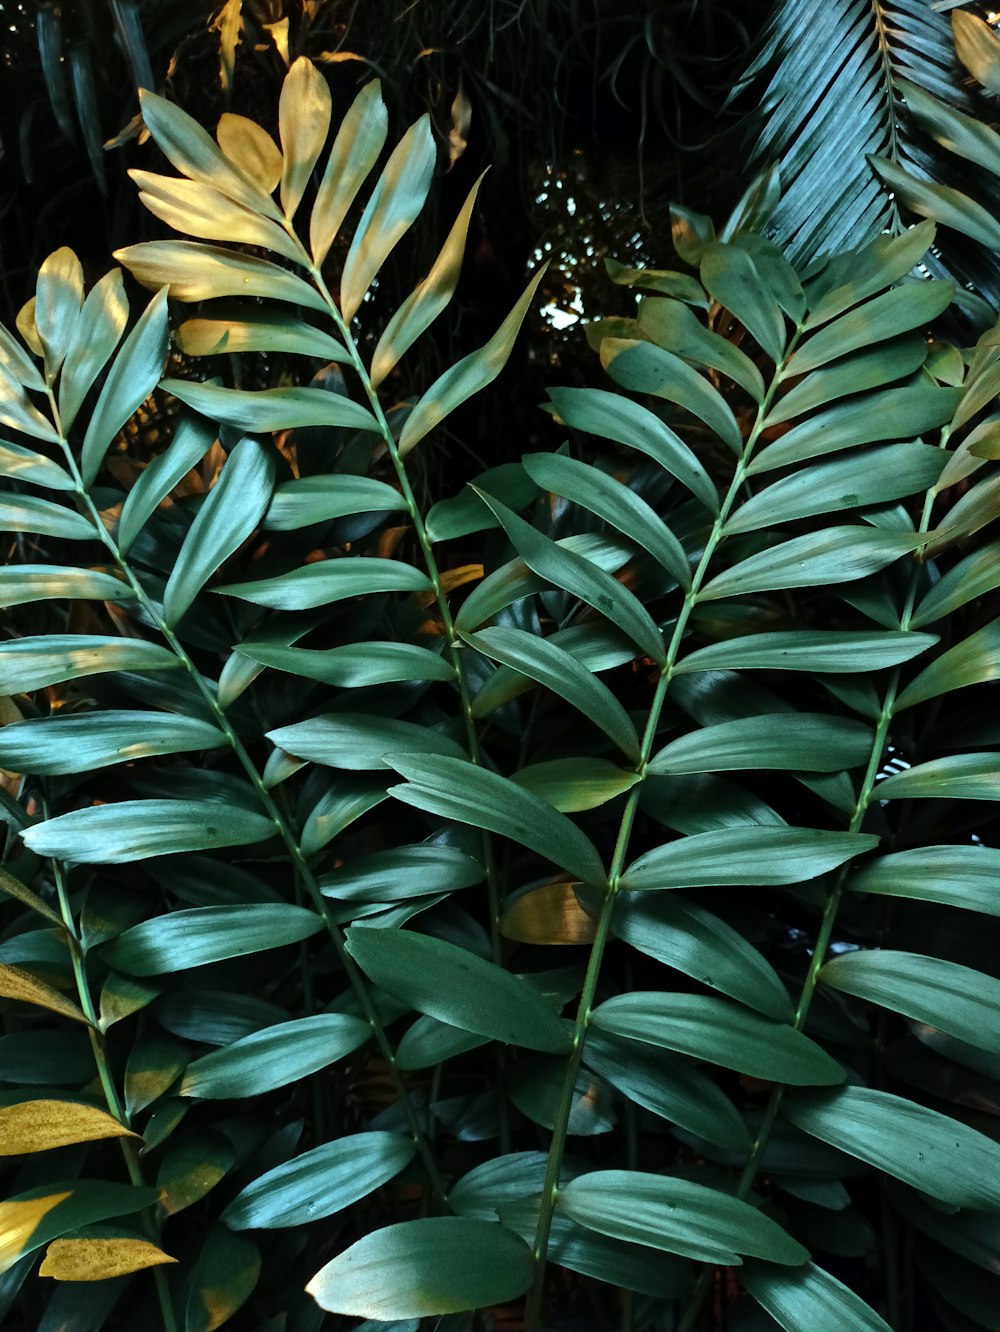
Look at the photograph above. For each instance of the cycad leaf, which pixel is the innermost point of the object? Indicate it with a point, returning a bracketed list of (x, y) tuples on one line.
[(824, 558), (318, 499), (58, 299), (231, 511), (196, 209), (973, 661), (912, 305), (807, 741), (272, 409), (807, 1299), (35, 663), (330, 580), (828, 650), (730, 277), (961, 876), (202, 935), (955, 777), (304, 111), (355, 151), (268, 331), (25, 465), (250, 149), (274, 1057), (192, 440), (196, 272), (643, 368), (101, 323), (674, 326), (853, 374), (78, 742), (358, 742), (753, 854)]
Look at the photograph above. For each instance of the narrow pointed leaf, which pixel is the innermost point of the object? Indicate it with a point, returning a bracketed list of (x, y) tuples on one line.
[(34, 663), (863, 370), (832, 555), (941, 203), (38, 1126), (971, 578), (808, 1299), (355, 151), (955, 777), (973, 661), (196, 209), (29, 513), (81, 741), (250, 149), (828, 650), (304, 111), (911, 306), (807, 741), (354, 665), (572, 785), (226, 1272), (328, 581), (358, 742), (18, 411), (58, 301), (730, 276), (399, 873), (101, 324), (136, 829), (18, 984), (192, 440), (751, 855), (30, 1220), (271, 330), (196, 937), (274, 1057), (271, 409), (961, 876), (94, 1259), (643, 368), (25, 465), (318, 499), (17, 364), (678, 329), (195, 272)]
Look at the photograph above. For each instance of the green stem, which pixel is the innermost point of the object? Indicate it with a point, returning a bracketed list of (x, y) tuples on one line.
[(299, 862), (603, 931)]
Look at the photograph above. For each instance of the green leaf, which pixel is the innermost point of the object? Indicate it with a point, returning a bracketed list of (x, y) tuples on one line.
[(573, 785), (28, 513), (834, 650), (580, 578), (941, 203), (955, 777), (870, 270), (466, 512), (338, 809), (973, 661), (401, 872), (678, 329), (667, 1086), (192, 1167), (128, 830), (24, 465), (731, 278), (911, 306), (304, 111), (272, 409), (960, 876), (428, 1042), (956, 999), (615, 503), (195, 272), (272, 1058), (610, 416), (321, 1182), (643, 368), (756, 855), (675, 1215), (154, 1065), (16, 889), (326, 581), (197, 209), (201, 935), (808, 741), (17, 410), (535, 1087), (966, 581), (318, 499), (559, 671), (231, 512), (34, 663), (23, 584), (720, 1031), (355, 151), (467, 376), (455, 986), (358, 742), (30, 1220), (192, 440), (854, 374), (936, 1154), (102, 322), (456, 789), (249, 331), (394, 206), (225, 1274), (355, 665), (830, 556), (428, 298), (976, 48), (59, 296), (665, 281), (17, 364), (809, 1300), (417, 1269), (685, 936), (134, 374), (78, 742)]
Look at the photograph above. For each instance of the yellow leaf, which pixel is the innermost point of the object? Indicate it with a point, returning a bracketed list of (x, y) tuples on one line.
[(16, 983), (99, 1259), (25, 323), (19, 1221), (14, 888), (38, 1126), (548, 915), (461, 119), (251, 148)]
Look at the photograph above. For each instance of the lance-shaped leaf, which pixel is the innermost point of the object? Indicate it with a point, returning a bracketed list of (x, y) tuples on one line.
[(455, 986), (615, 503), (274, 1057), (29, 513), (233, 508), (459, 790), (31, 1219), (730, 276), (137, 829), (355, 665), (580, 578), (17, 364), (807, 741), (250, 149), (913, 305), (575, 784), (35, 663), (330, 580), (955, 777), (678, 329), (80, 741), (643, 368), (133, 376), (676, 1215), (196, 937), (304, 110), (973, 661), (320, 1182), (318, 499), (402, 872), (956, 999), (720, 1031), (862, 273), (854, 374), (428, 298), (358, 742), (191, 149), (58, 299), (272, 409), (753, 855), (21, 985), (394, 206), (192, 440), (932, 1152), (355, 151), (38, 1126), (25, 465), (942, 203), (831, 556), (559, 671), (683, 935), (417, 1269), (807, 1299), (16, 889), (195, 272), (18, 411), (269, 330), (101, 324), (829, 650), (610, 416), (196, 209), (100, 1258), (961, 876), (224, 1278), (969, 579), (467, 376)]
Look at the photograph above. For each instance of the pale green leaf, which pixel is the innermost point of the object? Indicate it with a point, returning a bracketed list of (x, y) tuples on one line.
[(355, 151)]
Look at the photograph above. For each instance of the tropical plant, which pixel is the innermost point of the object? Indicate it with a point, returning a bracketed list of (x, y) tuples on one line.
[(536, 903)]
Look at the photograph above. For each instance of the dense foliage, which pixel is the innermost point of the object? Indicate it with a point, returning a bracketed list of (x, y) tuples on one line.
[(567, 902)]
